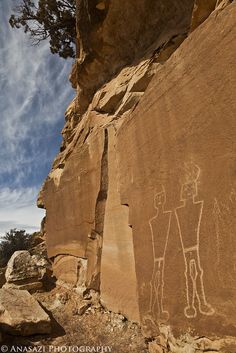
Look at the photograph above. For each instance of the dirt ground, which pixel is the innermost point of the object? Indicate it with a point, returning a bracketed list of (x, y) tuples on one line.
[(75, 329)]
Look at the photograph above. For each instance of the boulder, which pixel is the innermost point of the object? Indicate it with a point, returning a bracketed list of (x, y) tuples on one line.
[(40, 258), (22, 272), (21, 314), (82, 307), (31, 286)]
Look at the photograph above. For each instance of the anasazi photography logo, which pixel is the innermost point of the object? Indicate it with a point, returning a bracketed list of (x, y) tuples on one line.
[(55, 349)]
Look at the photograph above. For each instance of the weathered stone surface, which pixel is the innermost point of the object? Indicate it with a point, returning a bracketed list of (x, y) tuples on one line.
[(21, 267), (21, 314), (72, 119), (112, 37), (65, 268), (221, 4), (118, 279), (202, 9), (42, 264), (177, 176), (111, 99), (149, 206), (153, 347), (22, 272), (40, 257), (82, 307), (124, 92), (31, 286), (78, 185), (75, 225), (70, 270), (188, 343)]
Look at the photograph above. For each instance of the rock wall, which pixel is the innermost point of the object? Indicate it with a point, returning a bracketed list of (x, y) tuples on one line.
[(116, 33), (178, 171), (140, 202)]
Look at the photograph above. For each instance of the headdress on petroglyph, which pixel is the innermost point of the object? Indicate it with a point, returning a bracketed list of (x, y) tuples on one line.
[(191, 173), (190, 180)]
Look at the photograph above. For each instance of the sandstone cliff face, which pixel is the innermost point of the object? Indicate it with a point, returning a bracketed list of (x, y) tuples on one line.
[(113, 34), (141, 200)]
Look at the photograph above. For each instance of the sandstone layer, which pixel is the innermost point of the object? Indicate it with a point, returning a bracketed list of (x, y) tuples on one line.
[(140, 202)]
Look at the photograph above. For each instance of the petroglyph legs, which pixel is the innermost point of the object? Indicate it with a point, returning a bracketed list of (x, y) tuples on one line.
[(157, 286), (195, 287), (189, 216)]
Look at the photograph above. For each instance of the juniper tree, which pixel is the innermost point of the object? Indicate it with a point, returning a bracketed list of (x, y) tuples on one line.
[(48, 19)]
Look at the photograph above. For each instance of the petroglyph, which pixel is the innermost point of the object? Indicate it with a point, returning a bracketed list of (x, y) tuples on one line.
[(189, 216), (232, 196), (160, 228)]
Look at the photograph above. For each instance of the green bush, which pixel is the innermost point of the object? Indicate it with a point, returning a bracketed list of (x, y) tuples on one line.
[(12, 241)]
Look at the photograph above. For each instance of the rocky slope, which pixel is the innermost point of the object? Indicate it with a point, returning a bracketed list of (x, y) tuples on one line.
[(140, 202)]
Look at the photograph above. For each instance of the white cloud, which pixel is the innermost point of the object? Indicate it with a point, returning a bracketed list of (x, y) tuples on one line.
[(34, 93), (17, 210), (34, 89)]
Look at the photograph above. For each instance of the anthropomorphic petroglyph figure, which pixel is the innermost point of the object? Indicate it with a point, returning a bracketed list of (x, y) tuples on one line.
[(160, 227), (189, 216)]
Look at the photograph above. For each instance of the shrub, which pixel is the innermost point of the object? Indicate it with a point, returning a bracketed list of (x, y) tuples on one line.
[(12, 241)]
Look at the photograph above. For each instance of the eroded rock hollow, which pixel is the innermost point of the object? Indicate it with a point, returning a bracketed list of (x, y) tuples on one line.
[(141, 200)]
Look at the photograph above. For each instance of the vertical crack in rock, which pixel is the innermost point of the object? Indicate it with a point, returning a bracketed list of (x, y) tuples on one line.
[(94, 250), (102, 195)]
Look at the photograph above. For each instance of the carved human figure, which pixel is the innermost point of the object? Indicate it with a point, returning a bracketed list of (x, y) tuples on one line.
[(189, 216), (160, 228)]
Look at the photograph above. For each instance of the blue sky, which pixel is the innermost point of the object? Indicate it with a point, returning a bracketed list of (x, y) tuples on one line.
[(34, 93)]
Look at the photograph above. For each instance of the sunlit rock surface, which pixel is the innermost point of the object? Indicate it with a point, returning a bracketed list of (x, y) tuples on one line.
[(141, 200), (22, 272)]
